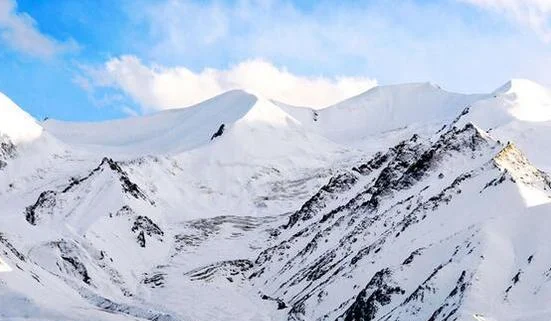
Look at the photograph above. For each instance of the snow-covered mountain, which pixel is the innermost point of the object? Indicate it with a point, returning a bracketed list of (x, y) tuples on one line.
[(406, 202)]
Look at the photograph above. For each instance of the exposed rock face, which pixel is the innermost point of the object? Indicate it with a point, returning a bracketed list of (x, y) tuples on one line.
[(219, 132), (50, 200), (377, 293), (231, 270), (7, 150), (44, 205), (143, 226), (141, 238)]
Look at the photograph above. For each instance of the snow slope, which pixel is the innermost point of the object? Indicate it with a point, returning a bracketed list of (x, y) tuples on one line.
[(169, 131), (244, 115), (263, 152)]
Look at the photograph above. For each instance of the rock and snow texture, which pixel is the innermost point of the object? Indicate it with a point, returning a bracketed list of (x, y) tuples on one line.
[(404, 203), (422, 232)]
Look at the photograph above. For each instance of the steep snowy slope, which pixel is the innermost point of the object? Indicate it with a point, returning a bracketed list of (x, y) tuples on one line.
[(169, 131), (16, 124), (26, 150), (16, 127), (423, 232)]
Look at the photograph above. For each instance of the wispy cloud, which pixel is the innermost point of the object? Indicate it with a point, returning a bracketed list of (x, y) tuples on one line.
[(535, 14), (156, 87), (19, 31)]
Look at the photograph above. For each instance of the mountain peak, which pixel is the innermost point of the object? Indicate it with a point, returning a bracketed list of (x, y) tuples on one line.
[(231, 99), (387, 108), (520, 86), (398, 89), (525, 100), (237, 93)]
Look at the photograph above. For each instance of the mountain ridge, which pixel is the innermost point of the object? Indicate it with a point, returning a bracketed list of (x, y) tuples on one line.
[(274, 219)]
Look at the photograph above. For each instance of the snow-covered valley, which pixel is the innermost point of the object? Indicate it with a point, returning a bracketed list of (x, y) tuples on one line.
[(406, 202)]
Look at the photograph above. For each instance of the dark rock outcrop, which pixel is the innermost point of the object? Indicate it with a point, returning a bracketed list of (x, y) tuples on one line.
[(219, 132)]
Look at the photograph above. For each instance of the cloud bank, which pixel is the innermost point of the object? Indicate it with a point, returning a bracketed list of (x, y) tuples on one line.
[(156, 87)]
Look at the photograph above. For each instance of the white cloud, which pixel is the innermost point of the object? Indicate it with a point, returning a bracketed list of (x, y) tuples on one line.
[(19, 31), (535, 14), (158, 87)]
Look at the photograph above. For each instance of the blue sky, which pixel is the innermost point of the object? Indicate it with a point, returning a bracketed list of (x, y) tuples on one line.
[(99, 59)]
